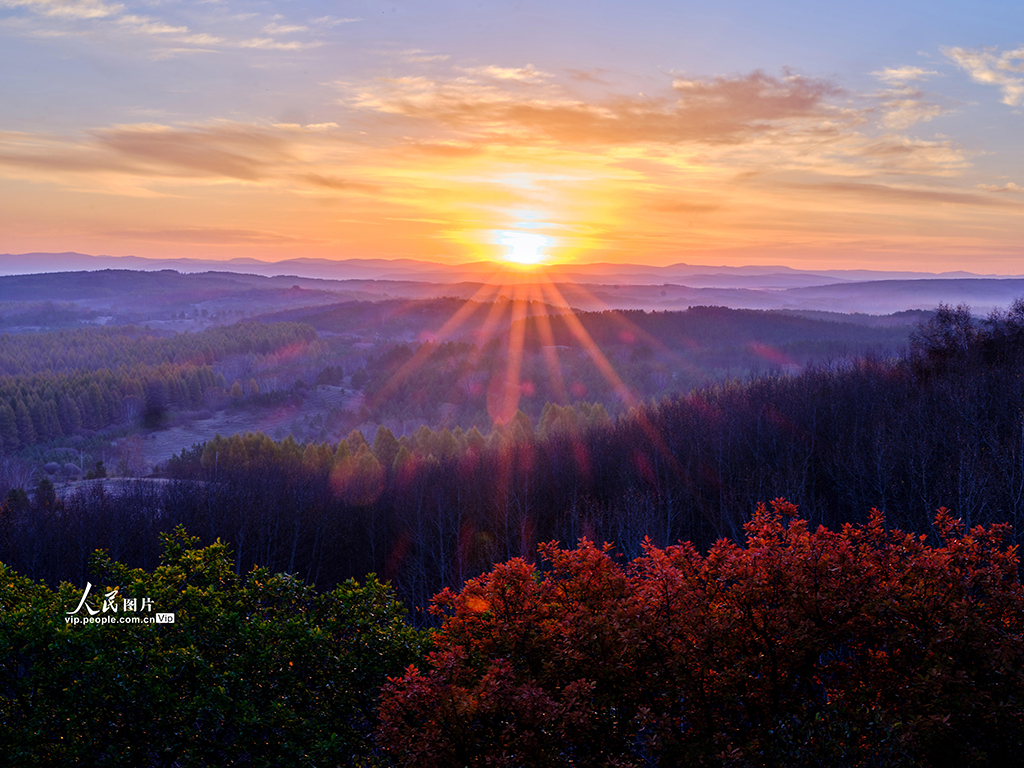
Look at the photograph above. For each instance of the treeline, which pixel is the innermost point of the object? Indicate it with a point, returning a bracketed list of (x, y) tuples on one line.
[(708, 328), (45, 314), (943, 425), (867, 647), (42, 407), (93, 349), (59, 384)]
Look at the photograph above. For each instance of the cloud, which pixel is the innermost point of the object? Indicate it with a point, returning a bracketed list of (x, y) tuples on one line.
[(990, 67), (527, 74), (201, 38), (680, 207), (67, 9), (900, 154), (148, 26), (521, 105), (445, 148), (284, 29), (333, 182), (907, 108), (284, 155), (233, 151), (1008, 187), (906, 104), (887, 193), (333, 21), (587, 76), (903, 75), (269, 44), (109, 22), (211, 236), (416, 56)]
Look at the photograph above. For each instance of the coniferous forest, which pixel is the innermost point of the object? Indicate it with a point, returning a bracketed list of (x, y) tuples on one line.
[(447, 597)]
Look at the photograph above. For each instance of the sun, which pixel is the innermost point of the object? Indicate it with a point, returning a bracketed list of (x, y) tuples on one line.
[(525, 248)]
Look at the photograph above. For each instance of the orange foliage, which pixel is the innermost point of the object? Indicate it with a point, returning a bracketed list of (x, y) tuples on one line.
[(865, 646)]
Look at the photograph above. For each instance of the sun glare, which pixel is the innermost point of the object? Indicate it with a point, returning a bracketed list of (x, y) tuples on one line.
[(515, 299), (525, 248)]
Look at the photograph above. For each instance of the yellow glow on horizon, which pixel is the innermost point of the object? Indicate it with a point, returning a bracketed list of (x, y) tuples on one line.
[(526, 248)]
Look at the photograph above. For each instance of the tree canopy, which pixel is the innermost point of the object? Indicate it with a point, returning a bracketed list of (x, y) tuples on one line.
[(260, 670), (863, 646)]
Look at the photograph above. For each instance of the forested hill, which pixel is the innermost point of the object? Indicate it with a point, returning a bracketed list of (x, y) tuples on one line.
[(420, 320), (114, 283), (939, 427), (123, 296), (703, 328), (55, 385)]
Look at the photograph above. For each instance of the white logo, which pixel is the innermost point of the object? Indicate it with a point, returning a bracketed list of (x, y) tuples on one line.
[(112, 604)]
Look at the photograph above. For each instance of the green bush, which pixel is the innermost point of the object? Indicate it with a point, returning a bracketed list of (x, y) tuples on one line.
[(260, 670)]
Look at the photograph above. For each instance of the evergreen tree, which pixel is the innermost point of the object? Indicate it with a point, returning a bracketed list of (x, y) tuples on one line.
[(26, 431)]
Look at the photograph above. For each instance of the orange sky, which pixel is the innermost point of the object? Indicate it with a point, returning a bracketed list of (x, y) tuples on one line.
[(908, 160)]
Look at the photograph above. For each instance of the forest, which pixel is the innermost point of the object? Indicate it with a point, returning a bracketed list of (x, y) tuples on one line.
[(104, 390), (60, 383), (810, 630), (940, 426)]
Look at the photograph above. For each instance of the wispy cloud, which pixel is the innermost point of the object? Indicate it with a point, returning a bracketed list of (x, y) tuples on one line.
[(904, 104), (895, 153), (990, 67), (903, 75), (1008, 187), (527, 74), (202, 39), (111, 21), (66, 9), (211, 236), (333, 21), (219, 151), (333, 182), (270, 44), (524, 105), (236, 152), (284, 29), (416, 56), (884, 192), (147, 26)]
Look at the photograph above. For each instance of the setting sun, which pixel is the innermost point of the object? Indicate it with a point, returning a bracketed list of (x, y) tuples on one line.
[(526, 249)]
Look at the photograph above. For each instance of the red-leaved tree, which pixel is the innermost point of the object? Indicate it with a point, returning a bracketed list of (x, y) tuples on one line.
[(863, 646)]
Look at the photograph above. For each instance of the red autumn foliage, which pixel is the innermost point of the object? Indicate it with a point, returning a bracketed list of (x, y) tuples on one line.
[(865, 646)]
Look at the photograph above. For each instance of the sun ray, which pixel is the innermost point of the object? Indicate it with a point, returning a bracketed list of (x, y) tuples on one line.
[(550, 351), (445, 332), (595, 353), (506, 390)]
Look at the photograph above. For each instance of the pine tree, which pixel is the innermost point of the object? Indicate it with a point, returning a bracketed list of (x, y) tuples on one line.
[(26, 431), (9, 439)]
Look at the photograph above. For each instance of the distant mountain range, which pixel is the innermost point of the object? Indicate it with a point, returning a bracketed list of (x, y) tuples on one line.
[(696, 276), (582, 286)]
